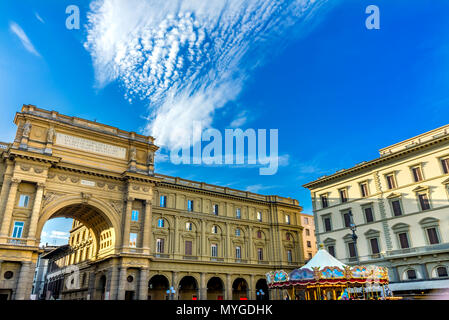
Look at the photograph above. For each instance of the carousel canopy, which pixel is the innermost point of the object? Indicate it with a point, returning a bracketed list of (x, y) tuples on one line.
[(323, 259)]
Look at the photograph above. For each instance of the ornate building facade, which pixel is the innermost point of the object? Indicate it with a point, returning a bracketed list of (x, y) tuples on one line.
[(136, 233), (399, 206), (309, 240)]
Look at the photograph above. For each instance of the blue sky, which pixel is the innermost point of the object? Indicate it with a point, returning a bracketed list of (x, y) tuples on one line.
[(336, 91)]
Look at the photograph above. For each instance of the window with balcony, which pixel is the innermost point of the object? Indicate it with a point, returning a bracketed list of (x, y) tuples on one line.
[(214, 250), (135, 215), (238, 252), (417, 174), (163, 202), (18, 229), (24, 200), (160, 245), (190, 205), (133, 240), (188, 248), (391, 182), (260, 254)]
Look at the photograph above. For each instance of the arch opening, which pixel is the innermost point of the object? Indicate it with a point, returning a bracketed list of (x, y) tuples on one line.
[(239, 289), (188, 288), (215, 289), (262, 290), (157, 287)]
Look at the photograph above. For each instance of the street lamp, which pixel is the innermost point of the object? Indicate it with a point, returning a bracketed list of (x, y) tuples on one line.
[(171, 293), (260, 294), (353, 228)]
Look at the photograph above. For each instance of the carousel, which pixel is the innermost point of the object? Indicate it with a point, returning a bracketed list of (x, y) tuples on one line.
[(326, 278)]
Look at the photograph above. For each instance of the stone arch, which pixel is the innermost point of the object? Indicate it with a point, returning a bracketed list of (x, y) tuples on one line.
[(240, 288), (261, 288), (65, 206), (215, 288), (188, 287), (158, 284)]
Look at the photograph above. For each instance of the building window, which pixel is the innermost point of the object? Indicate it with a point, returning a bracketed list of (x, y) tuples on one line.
[(324, 202), (309, 244), (432, 236), (160, 245), (403, 240), (189, 226), (343, 195), (260, 254), (411, 274), (287, 219), (396, 205), (133, 240), (237, 232), (310, 255), (417, 174), (442, 272), (368, 211), (307, 232), (289, 256), (188, 248), (190, 205), (214, 250), (259, 234), (445, 164), (259, 216), (374, 246), (163, 201), (327, 224), (135, 215), (351, 248), (391, 183), (18, 229), (215, 209), (364, 189), (347, 219), (306, 220), (23, 200), (238, 214), (331, 250), (238, 253), (287, 237), (424, 201), (160, 223), (214, 229)]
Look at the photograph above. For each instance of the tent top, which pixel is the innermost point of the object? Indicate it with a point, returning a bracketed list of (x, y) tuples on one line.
[(323, 259)]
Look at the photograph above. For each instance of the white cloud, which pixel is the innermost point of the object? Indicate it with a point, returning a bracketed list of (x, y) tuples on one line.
[(38, 17), (239, 120), (257, 188), (55, 234), (18, 31), (187, 58)]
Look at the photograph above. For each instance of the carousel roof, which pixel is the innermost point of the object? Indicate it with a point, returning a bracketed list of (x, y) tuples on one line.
[(323, 259)]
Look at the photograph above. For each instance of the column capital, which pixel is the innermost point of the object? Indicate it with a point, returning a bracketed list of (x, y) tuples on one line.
[(40, 185), (129, 198), (15, 181)]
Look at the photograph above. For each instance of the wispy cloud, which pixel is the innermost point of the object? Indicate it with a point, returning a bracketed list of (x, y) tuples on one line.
[(55, 234), (38, 17), (258, 188), (240, 120), (18, 31), (188, 58)]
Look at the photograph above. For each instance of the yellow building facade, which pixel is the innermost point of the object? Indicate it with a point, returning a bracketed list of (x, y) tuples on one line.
[(309, 240), (399, 205), (136, 233)]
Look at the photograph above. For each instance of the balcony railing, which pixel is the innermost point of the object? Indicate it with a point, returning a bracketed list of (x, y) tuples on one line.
[(17, 241), (190, 257), (161, 255), (217, 259)]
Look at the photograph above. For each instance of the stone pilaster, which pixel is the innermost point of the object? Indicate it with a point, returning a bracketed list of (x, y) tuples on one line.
[(203, 240), (251, 288), (114, 282), (203, 286), (6, 224), (228, 289), (176, 238), (35, 213), (227, 253), (121, 284), (174, 284), (250, 245), (22, 292), (147, 228), (143, 284), (127, 222)]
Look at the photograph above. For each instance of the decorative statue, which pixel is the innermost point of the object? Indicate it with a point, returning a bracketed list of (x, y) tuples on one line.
[(150, 158), (133, 154), (50, 135), (26, 129)]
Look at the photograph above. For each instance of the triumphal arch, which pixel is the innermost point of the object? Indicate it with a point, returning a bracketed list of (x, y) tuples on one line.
[(142, 232)]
